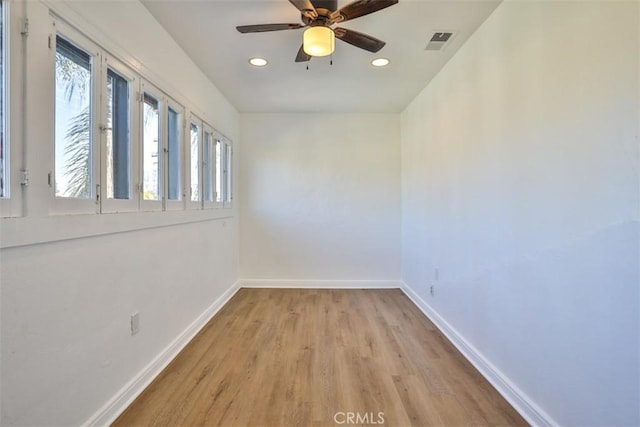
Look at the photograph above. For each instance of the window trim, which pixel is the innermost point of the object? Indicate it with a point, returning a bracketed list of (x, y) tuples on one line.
[(70, 205), (120, 205)]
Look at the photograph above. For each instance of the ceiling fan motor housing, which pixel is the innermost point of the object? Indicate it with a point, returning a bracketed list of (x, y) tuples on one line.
[(330, 5), (322, 18)]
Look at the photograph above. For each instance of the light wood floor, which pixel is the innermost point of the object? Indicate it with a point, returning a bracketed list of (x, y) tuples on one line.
[(290, 357)]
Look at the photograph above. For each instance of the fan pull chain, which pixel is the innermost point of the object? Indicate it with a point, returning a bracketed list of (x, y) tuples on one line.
[(331, 59)]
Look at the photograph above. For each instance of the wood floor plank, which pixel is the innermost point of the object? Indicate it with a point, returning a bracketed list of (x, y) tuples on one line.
[(292, 357)]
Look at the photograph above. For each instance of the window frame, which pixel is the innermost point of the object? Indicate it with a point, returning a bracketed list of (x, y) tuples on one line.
[(208, 130), (194, 204), (227, 174), (6, 97), (157, 94), (11, 185), (121, 205), (70, 205), (172, 205)]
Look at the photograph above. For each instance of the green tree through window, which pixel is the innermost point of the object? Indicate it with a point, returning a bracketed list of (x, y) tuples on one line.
[(73, 121)]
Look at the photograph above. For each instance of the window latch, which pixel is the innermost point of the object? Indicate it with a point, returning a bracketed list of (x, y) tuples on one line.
[(24, 32), (25, 178), (104, 128)]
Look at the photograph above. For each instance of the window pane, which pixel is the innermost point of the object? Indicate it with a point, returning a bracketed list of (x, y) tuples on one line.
[(173, 160), (118, 149), (195, 159), (73, 121), (218, 171), (151, 149), (208, 167), (3, 151)]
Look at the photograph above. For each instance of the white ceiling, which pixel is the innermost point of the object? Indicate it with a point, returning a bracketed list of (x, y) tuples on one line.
[(205, 29)]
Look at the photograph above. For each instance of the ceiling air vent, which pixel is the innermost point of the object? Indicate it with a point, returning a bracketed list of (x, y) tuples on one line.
[(439, 40)]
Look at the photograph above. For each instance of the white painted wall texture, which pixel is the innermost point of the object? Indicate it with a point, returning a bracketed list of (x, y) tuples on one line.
[(320, 197), (520, 183), (66, 344), (514, 173), (65, 305)]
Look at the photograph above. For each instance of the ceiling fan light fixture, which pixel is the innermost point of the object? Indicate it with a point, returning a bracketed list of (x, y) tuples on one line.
[(319, 41), (258, 62), (380, 62)]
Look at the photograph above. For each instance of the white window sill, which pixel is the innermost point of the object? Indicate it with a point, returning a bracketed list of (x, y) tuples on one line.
[(16, 232)]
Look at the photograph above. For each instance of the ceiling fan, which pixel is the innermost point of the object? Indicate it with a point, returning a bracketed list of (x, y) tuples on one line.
[(320, 16)]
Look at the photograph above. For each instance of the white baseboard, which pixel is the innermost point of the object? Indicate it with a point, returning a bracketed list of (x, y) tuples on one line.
[(531, 412), (320, 284), (113, 408)]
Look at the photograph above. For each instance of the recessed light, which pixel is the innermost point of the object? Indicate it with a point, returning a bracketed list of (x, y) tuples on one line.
[(258, 62), (380, 62)]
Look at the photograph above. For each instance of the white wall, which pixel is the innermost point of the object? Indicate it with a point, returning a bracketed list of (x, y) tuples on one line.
[(66, 344), (70, 284), (320, 197), (520, 184)]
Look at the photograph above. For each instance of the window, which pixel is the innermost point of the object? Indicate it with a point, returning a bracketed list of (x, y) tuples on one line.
[(173, 154), (162, 151), (219, 150), (223, 172), (194, 150), (118, 138), (227, 176), (4, 152), (73, 121), (208, 166), (151, 184), (120, 143)]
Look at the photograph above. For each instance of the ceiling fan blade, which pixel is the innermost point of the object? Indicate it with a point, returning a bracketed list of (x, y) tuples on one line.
[(261, 28), (306, 7), (363, 41), (302, 56), (360, 8)]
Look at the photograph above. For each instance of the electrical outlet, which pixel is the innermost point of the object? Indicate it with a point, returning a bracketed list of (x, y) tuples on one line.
[(135, 323), (432, 290)]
